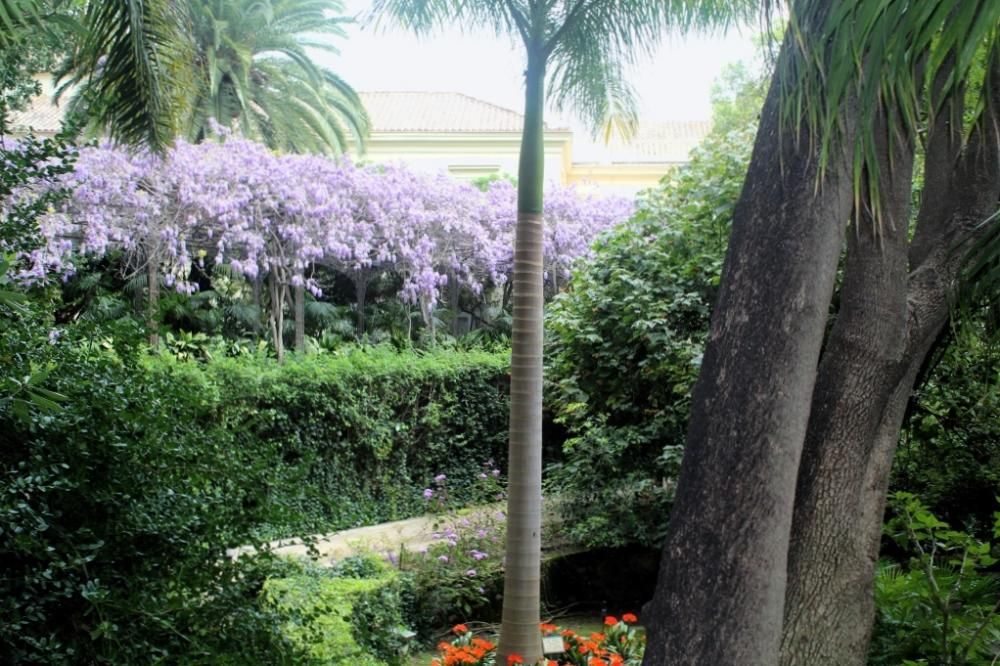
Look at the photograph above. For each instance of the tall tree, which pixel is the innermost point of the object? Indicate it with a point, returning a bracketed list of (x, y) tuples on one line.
[(853, 85), (576, 50)]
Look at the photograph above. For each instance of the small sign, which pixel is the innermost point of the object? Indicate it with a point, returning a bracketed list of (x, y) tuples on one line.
[(552, 645)]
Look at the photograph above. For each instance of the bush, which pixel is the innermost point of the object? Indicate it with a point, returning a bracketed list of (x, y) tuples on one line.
[(461, 573), (949, 454), (625, 340), (340, 618), (116, 506), (941, 608), (358, 436)]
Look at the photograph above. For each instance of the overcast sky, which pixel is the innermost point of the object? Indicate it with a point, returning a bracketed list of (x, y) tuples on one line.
[(673, 85)]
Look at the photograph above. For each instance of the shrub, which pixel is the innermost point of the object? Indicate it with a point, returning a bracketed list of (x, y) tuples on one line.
[(949, 454), (941, 608), (338, 617), (116, 506), (461, 573), (359, 435), (625, 340)]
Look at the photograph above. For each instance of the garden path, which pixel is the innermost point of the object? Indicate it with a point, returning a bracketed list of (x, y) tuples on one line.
[(413, 534)]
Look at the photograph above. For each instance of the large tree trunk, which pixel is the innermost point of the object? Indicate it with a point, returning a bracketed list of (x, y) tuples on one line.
[(828, 603), (852, 442), (519, 633), (720, 595)]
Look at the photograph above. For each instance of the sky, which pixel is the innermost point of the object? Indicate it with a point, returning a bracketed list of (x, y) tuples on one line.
[(672, 85)]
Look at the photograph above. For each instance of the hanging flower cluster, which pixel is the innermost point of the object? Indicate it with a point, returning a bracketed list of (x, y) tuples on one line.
[(280, 215)]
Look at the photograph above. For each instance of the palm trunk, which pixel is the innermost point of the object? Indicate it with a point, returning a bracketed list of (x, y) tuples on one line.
[(300, 319), (519, 633), (720, 594)]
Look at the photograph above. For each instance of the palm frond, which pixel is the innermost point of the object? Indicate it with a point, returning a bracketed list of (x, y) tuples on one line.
[(126, 61)]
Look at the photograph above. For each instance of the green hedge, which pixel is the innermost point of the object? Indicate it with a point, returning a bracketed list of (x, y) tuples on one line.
[(359, 435)]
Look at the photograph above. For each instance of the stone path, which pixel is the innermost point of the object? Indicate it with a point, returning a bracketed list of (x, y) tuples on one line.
[(413, 534)]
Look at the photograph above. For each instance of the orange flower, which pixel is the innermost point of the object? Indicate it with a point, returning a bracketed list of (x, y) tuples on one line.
[(610, 621), (597, 637), (629, 618), (548, 628), (514, 659), (594, 661), (460, 629), (551, 662), (617, 660)]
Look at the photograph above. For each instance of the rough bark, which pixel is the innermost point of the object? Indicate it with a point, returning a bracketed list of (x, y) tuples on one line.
[(861, 364), (720, 595), (522, 579), (851, 445)]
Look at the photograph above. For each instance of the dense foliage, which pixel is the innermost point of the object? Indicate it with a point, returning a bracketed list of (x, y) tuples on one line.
[(362, 432), (949, 454), (940, 606), (625, 344)]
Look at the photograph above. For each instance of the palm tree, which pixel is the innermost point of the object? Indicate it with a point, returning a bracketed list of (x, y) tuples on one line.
[(251, 67), (126, 50), (578, 48)]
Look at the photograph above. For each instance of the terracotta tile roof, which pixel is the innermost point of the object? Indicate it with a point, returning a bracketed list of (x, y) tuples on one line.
[(659, 143), (438, 112), (42, 115), (388, 111)]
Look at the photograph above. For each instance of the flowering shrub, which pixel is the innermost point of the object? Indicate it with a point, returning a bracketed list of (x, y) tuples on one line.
[(458, 574), (620, 644), (487, 486)]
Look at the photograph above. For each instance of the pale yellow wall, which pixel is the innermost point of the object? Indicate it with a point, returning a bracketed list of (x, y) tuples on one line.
[(466, 155), (624, 179)]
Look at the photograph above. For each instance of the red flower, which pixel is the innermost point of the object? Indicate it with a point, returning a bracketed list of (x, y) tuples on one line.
[(460, 629), (610, 621), (548, 628), (629, 618), (514, 659)]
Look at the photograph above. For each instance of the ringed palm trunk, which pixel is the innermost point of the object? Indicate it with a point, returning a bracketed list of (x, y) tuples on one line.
[(519, 632)]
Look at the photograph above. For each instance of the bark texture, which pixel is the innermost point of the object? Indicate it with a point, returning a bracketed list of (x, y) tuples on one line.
[(720, 595), (861, 365), (864, 388)]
